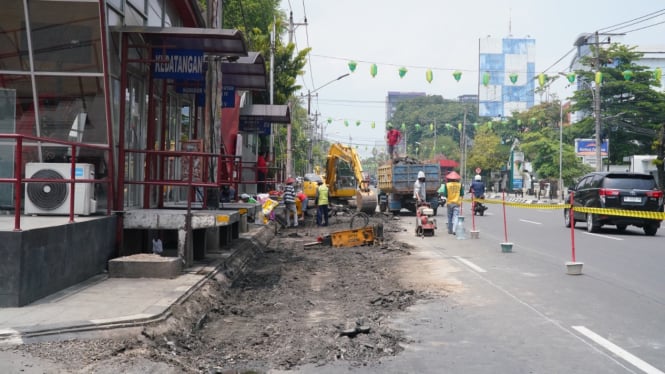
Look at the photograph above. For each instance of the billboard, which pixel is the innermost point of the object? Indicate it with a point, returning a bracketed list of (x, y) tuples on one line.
[(587, 147)]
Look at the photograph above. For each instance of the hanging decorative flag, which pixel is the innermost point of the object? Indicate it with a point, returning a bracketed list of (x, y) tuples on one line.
[(571, 77), (513, 78), (542, 79), (352, 66), (402, 72), (373, 125), (627, 75), (357, 123), (599, 77), (657, 74), (486, 78), (329, 120), (457, 75), (373, 70), (429, 75), (431, 127), (346, 123)]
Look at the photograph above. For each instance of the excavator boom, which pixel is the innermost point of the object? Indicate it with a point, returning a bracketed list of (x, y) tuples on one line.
[(345, 178)]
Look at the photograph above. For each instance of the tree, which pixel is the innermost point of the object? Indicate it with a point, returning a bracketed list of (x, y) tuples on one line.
[(486, 152), (632, 111)]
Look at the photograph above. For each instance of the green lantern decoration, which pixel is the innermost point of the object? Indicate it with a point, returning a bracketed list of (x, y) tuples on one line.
[(429, 75), (417, 126), (486, 78), (447, 125), (389, 125), (346, 123), (431, 127), (599, 77), (459, 127), (352, 66), (657, 74), (403, 127), (373, 70), (542, 79), (570, 77), (519, 122), (357, 123), (513, 78), (457, 75), (402, 71), (373, 125), (627, 75), (329, 120), (489, 125)]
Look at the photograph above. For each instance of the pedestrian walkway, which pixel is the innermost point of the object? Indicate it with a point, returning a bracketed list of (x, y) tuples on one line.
[(109, 303)]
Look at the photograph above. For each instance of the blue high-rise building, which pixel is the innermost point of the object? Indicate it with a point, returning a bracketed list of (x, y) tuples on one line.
[(499, 61)]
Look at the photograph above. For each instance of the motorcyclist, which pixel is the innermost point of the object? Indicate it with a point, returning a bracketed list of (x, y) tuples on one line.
[(478, 190)]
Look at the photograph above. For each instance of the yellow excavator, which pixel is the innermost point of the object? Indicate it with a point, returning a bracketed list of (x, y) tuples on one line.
[(347, 183)]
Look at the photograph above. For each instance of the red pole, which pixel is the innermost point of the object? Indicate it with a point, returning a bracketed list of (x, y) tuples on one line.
[(473, 212), (572, 224), (505, 226)]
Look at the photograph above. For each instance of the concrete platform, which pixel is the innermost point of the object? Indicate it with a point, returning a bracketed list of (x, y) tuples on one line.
[(145, 266)]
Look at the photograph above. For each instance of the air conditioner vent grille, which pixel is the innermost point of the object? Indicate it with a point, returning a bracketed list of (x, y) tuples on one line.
[(47, 195)]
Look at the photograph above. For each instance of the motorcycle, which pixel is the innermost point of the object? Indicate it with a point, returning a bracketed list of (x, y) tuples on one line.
[(442, 200), (479, 208)]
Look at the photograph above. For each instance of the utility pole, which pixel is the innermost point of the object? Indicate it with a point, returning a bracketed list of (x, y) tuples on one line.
[(596, 106), (289, 151)]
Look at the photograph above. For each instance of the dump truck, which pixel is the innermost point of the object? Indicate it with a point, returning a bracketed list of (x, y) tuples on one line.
[(395, 184)]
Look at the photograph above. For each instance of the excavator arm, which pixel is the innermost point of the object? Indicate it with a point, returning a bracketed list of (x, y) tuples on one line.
[(340, 158)]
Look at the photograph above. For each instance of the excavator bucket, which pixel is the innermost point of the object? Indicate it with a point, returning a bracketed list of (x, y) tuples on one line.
[(366, 201)]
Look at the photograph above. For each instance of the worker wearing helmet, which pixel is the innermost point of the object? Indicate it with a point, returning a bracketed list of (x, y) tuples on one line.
[(419, 189), (478, 187), (453, 193)]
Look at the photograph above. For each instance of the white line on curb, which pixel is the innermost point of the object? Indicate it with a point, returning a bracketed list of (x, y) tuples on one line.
[(645, 367), (470, 264)]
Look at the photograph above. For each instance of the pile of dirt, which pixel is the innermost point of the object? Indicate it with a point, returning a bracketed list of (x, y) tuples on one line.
[(298, 304)]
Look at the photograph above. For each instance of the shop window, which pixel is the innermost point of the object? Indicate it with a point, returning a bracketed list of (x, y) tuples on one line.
[(65, 38), (13, 49)]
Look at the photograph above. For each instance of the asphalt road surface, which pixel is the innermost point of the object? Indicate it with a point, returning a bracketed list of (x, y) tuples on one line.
[(521, 312)]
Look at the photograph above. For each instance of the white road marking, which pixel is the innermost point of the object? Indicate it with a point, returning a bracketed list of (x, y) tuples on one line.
[(645, 367), (534, 222), (470, 264), (603, 236)]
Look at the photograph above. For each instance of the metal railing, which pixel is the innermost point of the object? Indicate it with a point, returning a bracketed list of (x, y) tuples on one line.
[(19, 142)]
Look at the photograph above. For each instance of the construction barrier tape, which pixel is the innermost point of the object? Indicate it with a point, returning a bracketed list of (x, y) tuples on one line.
[(599, 211)]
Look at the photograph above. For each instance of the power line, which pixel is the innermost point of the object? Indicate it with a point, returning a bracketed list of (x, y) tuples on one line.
[(632, 21)]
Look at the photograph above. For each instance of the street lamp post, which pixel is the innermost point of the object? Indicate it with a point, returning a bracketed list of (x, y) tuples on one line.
[(289, 150)]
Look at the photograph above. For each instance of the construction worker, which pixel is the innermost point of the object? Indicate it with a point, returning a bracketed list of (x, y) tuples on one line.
[(453, 193), (322, 204)]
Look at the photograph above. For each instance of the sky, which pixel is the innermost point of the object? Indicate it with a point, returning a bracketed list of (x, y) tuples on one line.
[(440, 35)]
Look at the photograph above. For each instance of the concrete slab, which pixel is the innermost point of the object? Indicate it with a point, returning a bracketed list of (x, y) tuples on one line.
[(145, 266)]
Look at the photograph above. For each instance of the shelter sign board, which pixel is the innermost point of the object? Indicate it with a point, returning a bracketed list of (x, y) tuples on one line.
[(180, 64)]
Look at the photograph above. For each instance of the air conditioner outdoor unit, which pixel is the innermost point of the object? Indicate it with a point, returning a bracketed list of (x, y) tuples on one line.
[(52, 198)]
